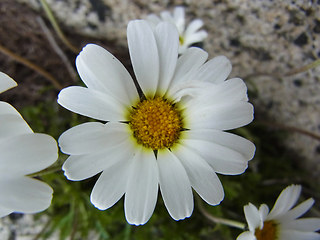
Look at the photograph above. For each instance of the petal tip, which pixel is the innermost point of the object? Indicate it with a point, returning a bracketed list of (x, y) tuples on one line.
[(6, 82)]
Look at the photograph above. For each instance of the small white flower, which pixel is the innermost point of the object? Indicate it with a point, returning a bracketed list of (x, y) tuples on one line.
[(171, 136), (187, 35), (22, 152), (282, 222)]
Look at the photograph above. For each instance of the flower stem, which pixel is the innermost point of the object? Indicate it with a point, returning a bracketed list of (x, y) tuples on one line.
[(74, 223), (217, 220), (127, 231)]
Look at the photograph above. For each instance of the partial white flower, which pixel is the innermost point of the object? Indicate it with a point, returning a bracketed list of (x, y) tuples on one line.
[(22, 152), (282, 222), (6, 82), (187, 35), (170, 136)]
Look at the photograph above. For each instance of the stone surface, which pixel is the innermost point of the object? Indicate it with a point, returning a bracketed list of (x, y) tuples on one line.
[(263, 39), (22, 227), (259, 37), (26, 227)]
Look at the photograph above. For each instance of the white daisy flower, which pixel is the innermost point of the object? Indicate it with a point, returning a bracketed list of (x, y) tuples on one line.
[(22, 152), (168, 136), (282, 222), (187, 35)]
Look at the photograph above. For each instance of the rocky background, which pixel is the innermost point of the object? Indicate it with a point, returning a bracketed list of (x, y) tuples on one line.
[(265, 41)]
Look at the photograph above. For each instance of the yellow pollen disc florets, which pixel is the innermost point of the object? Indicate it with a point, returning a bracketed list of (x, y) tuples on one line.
[(156, 123), (268, 232)]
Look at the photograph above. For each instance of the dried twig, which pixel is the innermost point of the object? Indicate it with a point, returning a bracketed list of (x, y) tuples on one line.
[(292, 72), (31, 65), (305, 68), (56, 27), (57, 49), (290, 128)]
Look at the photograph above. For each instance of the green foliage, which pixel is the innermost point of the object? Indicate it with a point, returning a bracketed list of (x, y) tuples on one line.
[(72, 216)]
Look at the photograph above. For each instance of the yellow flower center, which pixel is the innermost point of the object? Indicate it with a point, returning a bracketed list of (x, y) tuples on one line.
[(156, 123), (268, 232), (181, 40)]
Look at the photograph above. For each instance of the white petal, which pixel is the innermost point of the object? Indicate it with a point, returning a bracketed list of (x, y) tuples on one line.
[(179, 19), (142, 188), (183, 48), (235, 89), (28, 153), (195, 37), (153, 19), (91, 137), (12, 125), (144, 55), (231, 90), (202, 177), (166, 16), (6, 108), (101, 71), (194, 26), (188, 91), (263, 210), (110, 186), (6, 82), (187, 65), (168, 43), (297, 211), (24, 194), (287, 198), (175, 186), (226, 139), (4, 211), (246, 236), (253, 217), (79, 167), (91, 103), (297, 235), (216, 70), (223, 160), (226, 116), (303, 224)]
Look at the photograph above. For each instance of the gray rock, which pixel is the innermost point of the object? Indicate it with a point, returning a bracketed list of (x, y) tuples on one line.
[(263, 39), (22, 227), (259, 37)]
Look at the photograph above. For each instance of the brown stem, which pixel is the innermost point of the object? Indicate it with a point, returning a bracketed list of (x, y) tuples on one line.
[(290, 128), (56, 26), (57, 49), (304, 68), (292, 72), (31, 65)]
